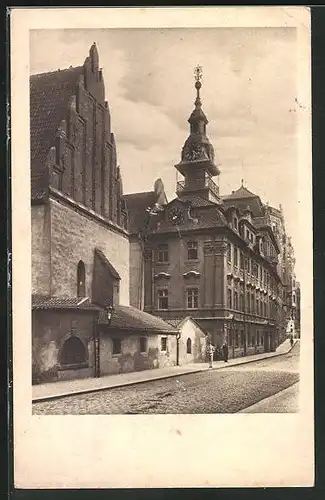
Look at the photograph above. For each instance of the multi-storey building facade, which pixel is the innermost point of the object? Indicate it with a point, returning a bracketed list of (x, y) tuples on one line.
[(211, 258)]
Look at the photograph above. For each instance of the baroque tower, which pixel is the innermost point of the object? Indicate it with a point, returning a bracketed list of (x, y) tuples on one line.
[(197, 160)]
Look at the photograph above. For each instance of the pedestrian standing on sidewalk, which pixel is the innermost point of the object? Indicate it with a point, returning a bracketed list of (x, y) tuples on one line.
[(225, 352), (291, 340), (210, 353)]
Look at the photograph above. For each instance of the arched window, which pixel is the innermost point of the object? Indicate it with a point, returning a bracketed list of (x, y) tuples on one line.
[(189, 346), (73, 352), (81, 279)]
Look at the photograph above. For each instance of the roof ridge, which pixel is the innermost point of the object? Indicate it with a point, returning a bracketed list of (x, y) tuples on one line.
[(140, 192), (45, 73)]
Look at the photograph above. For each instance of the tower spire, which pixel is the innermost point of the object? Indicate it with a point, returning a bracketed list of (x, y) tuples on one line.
[(197, 163), (198, 73)]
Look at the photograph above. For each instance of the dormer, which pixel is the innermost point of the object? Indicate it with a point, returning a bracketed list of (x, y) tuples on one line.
[(247, 231), (259, 244), (233, 217)]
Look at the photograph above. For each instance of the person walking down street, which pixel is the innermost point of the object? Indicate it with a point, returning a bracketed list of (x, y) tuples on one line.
[(291, 340), (225, 352)]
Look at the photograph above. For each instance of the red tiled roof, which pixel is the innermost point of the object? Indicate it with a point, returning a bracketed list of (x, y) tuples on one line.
[(47, 302), (49, 98), (241, 204), (210, 217), (136, 205), (195, 200), (175, 322), (242, 192), (130, 318), (107, 263)]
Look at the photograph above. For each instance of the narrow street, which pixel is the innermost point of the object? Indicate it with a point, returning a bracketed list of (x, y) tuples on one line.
[(230, 390)]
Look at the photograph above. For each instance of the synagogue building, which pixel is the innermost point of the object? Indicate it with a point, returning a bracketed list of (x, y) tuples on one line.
[(82, 322)]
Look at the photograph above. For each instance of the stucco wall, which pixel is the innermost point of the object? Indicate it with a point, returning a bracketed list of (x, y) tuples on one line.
[(136, 275), (189, 330), (50, 329), (74, 238), (130, 358)]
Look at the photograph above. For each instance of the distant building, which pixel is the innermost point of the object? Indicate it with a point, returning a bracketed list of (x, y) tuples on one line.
[(215, 259), (80, 239)]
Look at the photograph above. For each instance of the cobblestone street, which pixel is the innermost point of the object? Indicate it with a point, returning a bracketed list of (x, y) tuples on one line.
[(220, 391)]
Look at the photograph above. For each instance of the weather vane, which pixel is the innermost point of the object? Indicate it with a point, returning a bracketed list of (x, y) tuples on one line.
[(198, 73)]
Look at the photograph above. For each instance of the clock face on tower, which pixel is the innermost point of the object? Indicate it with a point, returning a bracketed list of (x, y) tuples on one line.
[(176, 216)]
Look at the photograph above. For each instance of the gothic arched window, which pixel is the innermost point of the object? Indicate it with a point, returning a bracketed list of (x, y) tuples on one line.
[(73, 352), (81, 279), (189, 346)]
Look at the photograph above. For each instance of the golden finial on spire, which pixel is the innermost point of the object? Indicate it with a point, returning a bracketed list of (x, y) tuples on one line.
[(198, 78), (198, 73)]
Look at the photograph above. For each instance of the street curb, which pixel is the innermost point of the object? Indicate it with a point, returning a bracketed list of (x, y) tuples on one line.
[(244, 410), (172, 375)]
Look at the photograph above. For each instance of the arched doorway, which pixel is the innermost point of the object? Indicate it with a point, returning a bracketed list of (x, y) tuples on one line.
[(189, 346), (73, 352)]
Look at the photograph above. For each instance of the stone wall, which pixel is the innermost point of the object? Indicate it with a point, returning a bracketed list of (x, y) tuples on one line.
[(136, 275), (40, 225), (73, 238)]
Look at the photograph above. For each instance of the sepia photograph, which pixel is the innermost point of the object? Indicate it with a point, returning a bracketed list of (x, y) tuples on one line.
[(155, 287), (166, 263)]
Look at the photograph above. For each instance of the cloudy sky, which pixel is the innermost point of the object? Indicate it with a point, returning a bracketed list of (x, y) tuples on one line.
[(248, 95)]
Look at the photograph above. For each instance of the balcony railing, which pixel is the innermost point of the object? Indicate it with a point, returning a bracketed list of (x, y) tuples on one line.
[(207, 182)]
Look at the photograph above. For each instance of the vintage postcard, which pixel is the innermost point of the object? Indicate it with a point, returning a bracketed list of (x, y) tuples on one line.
[(162, 282)]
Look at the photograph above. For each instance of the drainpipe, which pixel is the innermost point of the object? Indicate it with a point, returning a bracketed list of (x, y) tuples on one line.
[(178, 336), (97, 346)]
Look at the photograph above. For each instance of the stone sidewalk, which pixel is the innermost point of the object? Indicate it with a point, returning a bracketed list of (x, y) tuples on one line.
[(59, 389)]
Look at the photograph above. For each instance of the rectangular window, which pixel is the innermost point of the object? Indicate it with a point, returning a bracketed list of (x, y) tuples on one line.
[(241, 261), (257, 338), (253, 340), (163, 299), (164, 343), (143, 344), (117, 346), (236, 256), (230, 339), (242, 338), (242, 303), (229, 298), (236, 300), (229, 252), (257, 307), (235, 223), (162, 253), (192, 250), (248, 303), (192, 298), (237, 339)]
